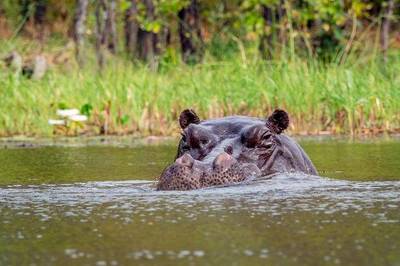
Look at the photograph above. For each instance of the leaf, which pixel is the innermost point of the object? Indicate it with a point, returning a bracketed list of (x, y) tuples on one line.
[(62, 106), (86, 109), (156, 27), (124, 119), (124, 5)]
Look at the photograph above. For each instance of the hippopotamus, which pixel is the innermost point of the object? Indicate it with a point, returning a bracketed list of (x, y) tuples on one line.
[(231, 150)]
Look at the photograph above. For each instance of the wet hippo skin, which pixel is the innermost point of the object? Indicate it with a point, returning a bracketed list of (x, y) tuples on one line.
[(232, 149)]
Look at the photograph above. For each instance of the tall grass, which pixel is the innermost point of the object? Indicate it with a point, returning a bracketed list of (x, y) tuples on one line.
[(319, 97)]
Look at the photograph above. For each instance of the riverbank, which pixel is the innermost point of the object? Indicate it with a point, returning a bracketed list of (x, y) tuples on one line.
[(128, 141), (358, 98)]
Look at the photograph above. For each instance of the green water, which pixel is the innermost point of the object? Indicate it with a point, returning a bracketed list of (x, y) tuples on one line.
[(89, 205), (77, 164)]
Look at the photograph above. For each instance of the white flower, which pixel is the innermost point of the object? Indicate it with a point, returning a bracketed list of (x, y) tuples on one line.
[(78, 118), (55, 122), (67, 112)]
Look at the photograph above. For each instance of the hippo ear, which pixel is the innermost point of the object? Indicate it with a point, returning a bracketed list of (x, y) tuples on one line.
[(278, 121), (188, 117)]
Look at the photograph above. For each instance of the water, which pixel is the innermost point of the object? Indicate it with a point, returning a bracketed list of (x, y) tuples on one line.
[(96, 205)]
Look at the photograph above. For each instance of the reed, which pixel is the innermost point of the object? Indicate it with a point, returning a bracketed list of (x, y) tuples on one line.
[(320, 97)]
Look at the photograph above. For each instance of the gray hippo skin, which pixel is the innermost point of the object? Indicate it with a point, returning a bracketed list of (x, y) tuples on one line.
[(232, 149)]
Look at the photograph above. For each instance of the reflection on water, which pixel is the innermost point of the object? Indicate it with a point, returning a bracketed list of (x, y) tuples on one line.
[(290, 219), (76, 164), (58, 164)]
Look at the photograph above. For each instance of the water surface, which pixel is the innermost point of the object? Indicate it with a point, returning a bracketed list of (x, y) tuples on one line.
[(96, 205)]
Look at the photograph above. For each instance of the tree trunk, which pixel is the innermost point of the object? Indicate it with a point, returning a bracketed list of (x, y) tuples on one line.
[(190, 33), (110, 27), (148, 40), (34, 11), (281, 14), (265, 45), (106, 35), (40, 12), (385, 32), (40, 19), (146, 47), (100, 32), (163, 39), (131, 28), (79, 29)]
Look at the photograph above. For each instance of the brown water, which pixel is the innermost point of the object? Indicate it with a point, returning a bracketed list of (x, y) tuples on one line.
[(92, 205)]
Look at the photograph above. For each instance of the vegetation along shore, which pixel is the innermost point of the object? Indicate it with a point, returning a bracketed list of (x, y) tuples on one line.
[(359, 98), (131, 66)]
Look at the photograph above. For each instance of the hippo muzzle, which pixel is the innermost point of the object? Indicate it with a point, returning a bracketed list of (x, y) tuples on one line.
[(187, 173)]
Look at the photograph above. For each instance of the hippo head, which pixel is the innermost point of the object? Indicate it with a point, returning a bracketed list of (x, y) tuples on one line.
[(230, 150)]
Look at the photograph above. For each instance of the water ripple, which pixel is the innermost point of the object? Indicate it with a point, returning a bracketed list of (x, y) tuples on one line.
[(281, 193)]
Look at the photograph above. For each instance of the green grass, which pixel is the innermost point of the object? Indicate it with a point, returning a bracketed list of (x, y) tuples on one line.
[(319, 97)]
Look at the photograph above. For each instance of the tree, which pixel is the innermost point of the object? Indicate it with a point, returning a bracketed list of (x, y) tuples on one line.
[(110, 31), (386, 27), (35, 12), (147, 38), (266, 44), (191, 40), (100, 32), (131, 28), (79, 29), (106, 35)]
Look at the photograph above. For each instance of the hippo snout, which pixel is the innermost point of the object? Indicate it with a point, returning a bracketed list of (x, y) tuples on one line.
[(185, 161), (223, 161), (186, 173)]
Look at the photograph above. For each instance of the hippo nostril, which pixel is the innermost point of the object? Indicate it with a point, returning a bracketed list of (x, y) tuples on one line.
[(185, 160), (229, 150), (224, 161)]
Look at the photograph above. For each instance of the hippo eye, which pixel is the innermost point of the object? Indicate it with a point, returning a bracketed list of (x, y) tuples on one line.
[(204, 141), (266, 135), (266, 140)]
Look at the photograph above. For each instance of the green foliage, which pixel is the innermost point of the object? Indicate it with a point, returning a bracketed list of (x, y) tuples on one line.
[(165, 10), (124, 5), (123, 120), (62, 106), (326, 94), (358, 97), (86, 109), (320, 27)]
